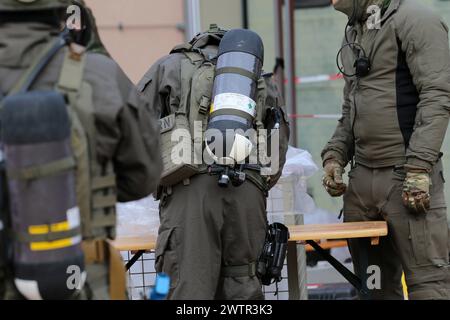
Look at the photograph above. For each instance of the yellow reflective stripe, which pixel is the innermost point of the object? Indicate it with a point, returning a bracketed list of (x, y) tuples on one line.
[(58, 244), (43, 229), (61, 226)]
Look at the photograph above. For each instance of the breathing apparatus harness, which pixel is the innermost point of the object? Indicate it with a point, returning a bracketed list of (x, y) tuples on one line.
[(229, 174)]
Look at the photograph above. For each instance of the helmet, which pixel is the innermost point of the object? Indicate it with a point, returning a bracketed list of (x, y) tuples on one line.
[(30, 5)]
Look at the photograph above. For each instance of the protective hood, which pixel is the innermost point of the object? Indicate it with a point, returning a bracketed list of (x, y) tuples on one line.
[(356, 10)]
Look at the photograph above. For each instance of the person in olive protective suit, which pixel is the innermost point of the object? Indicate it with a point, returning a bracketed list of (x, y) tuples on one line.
[(396, 63), (124, 145), (210, 237)]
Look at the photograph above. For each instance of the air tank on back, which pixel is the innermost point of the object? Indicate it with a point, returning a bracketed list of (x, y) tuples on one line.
[(238, 69)]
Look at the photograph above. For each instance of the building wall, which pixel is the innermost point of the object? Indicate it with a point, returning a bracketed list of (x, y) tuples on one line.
[(138, 32), (227, 14), (150, 29)]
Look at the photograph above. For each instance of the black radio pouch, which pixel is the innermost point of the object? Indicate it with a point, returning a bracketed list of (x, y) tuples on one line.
[(271, 260)]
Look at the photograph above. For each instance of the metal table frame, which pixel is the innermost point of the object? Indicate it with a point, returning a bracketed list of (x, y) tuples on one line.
[(292, 264)]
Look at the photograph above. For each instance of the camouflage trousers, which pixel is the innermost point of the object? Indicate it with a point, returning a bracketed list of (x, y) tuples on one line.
[(205, 232), (417, 244)]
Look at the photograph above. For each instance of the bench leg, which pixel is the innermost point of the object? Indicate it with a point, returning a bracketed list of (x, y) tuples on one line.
[(133, 259), (347, 274), (364, 247), (296, 263), (294, 291), (302, 272)]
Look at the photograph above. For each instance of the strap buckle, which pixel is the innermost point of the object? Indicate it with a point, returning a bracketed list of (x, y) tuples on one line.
[(204, 105)]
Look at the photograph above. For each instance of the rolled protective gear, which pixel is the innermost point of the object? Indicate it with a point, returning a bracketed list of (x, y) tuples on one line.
[(416, 191), (31, 5), (332, 179)]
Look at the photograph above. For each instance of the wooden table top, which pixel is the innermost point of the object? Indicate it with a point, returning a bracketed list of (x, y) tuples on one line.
[(347, 230)]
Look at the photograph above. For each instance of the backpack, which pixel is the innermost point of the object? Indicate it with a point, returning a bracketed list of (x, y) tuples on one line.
[(54, 192), (197, 78)]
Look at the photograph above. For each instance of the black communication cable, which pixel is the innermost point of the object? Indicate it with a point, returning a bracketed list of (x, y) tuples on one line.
[(356, 48), (353, 45)]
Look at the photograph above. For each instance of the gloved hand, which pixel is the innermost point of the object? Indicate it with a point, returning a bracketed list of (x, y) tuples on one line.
[(416, 191), (332, 179)]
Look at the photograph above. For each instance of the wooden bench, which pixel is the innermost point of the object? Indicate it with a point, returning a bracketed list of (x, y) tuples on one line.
[(135, 243), (372, 230), (311, 234), (299, 234), (328, 244)]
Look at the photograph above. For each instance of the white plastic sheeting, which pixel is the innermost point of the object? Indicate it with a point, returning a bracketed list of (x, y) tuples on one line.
[(290, 198), (289, 201), (293, 183), (138, 217)]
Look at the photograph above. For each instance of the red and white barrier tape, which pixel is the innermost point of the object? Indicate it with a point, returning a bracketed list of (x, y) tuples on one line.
[(318, 78), (315, 116)]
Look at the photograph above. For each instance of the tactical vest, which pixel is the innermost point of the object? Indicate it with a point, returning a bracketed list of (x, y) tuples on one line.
[(197, 78), (62, 195)]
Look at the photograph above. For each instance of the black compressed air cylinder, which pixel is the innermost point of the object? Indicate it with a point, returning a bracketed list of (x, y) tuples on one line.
[(238, 69)]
